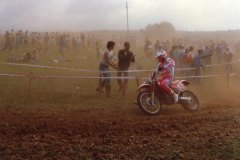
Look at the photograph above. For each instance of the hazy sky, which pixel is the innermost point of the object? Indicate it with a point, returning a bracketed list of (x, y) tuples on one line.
[(78, 15)]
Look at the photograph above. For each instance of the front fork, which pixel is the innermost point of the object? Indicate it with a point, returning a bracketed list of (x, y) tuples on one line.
[(153, 94), (152, 98)]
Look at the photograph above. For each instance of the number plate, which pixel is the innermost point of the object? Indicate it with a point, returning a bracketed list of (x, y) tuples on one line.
[(180, 87)]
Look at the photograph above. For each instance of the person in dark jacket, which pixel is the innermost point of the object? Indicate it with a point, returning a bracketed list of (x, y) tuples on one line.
[(125, 57)]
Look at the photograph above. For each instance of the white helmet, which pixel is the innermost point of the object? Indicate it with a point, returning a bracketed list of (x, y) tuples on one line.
[(161, 53)]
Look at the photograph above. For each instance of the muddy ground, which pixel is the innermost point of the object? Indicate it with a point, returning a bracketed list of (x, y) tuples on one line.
[(211, 133)]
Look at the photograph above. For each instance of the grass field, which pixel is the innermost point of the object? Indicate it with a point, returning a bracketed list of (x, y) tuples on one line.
[(15, 90)]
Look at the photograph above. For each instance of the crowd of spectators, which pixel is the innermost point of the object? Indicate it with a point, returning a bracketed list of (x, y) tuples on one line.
[(47, 42), (64, 42), (195, 59)]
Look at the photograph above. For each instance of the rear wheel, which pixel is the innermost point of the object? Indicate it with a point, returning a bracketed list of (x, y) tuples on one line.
[(190, 102), (148, 104)]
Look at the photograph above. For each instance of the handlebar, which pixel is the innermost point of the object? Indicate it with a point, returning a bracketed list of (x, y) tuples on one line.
[(153, 75)]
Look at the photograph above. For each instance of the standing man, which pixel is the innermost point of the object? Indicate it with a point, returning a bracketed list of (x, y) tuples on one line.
[(105, 62), (125, 57), (198, 64), (229, 57)]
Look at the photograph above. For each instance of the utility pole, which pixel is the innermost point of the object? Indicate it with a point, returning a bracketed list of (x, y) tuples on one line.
[(127, 18)]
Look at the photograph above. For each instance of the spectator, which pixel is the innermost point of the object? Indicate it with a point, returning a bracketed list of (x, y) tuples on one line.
[(157, 46), (105, 62), (172, 52), (125, 57), (35, 55), (228, 56), (198, 65), (62, 46), (188, 59), (148, 47), (208, 54), (46, 41), (27, 57), (83, 39), (74, 45), (147, 44), (98, 48), (180, 54), (7, 45)]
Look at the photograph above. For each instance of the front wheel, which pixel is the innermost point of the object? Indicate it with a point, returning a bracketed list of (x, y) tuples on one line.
[(148, 103), (189, 101)]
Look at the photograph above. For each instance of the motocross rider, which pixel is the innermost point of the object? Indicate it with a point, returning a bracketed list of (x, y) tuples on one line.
[(166, 67)]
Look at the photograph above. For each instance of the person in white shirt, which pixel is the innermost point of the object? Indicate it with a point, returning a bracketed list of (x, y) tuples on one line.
[(105, 62)]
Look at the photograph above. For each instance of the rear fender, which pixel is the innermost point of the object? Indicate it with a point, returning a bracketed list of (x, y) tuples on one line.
[(186, 83)]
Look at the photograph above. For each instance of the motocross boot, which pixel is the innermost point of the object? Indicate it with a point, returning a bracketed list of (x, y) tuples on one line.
[(175, 97)]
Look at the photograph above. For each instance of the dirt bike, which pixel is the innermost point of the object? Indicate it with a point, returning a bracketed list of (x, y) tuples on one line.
[(151, 98)]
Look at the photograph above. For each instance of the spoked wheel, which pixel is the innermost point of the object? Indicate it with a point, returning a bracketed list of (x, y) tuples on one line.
[(189, 101), (147, 104)]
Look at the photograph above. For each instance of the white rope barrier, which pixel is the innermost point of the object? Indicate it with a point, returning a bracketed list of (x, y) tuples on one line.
[(207, 76), (12, 75), (82, 70), (96, 77), (89, 70), (221, 64), (48, 67), (60, 76), (82, 77)]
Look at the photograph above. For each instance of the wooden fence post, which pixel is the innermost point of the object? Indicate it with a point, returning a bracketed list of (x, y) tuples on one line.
[(228, 80), (137, 81), (30, 76)]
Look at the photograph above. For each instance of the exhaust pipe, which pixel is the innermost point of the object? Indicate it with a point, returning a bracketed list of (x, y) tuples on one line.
[(185, 98)]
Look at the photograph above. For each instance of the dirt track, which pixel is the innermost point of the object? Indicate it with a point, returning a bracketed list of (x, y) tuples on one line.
[(211, 133)]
